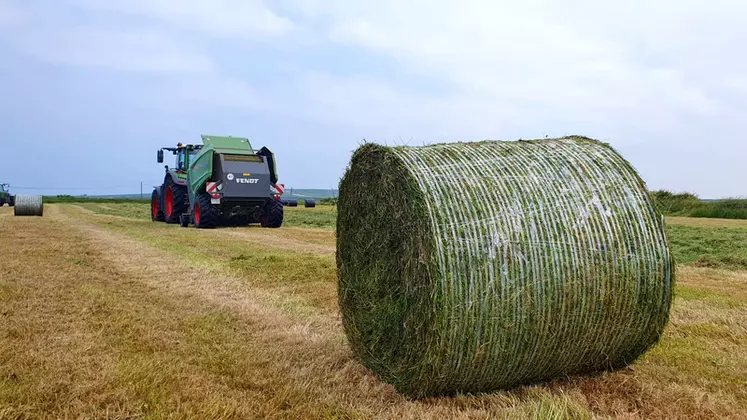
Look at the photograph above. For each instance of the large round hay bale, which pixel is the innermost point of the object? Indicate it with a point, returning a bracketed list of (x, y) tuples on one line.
[(29, 205), (472, 267)]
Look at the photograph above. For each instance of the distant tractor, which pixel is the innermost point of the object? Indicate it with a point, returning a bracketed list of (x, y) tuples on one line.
[(220, 182), (6, 197)]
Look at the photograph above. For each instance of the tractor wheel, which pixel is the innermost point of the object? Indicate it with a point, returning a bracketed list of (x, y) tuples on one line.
[(174, 200), (12, 201), (206, 215), (273, 217), (156, 212), (2, 203)]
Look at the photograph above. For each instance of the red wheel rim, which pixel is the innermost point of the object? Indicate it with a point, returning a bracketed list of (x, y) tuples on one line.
[(169, 201), (197, 214), (154, 208)]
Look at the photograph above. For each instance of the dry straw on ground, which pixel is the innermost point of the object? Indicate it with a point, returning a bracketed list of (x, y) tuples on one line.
[(470, 267)]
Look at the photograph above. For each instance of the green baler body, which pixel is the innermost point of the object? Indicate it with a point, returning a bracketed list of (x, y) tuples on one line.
[(202, 165)]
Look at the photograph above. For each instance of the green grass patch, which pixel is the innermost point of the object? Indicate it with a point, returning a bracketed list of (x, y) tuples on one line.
[(714, 247), (693, 351), (129, 210), (715, 299), (321, 216)]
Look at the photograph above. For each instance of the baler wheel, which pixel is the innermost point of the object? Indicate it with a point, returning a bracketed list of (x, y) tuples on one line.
[(273, 216), (206, 215)]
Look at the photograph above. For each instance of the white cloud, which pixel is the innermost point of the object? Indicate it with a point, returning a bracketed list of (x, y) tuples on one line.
[(368, 102), (193, 94), (143, 50), (627, 63), (220, 18)]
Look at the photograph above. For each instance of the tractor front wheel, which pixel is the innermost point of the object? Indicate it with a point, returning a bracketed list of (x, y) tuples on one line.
[(175, 201), (156, 212), (206, 215)]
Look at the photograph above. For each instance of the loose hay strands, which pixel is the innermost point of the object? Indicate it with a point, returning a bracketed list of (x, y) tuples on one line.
[(470, 267)]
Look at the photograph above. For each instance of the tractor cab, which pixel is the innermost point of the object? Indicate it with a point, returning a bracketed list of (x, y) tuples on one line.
[(184, 155), (5, 196)]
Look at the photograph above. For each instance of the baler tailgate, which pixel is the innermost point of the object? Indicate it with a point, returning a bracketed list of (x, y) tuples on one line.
[(242, 178)]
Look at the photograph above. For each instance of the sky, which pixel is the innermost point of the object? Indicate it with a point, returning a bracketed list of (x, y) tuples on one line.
[(91, 89)]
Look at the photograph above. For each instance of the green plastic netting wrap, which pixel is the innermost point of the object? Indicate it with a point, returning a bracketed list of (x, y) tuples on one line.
[(473, 267)]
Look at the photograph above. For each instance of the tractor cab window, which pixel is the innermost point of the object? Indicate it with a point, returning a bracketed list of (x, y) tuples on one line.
[(181, 163), (181, 158)]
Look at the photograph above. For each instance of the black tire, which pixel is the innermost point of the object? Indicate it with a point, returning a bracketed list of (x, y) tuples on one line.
[(184, 220), (175, 200), (2, 203), (12, 201), (273, 217), (156, 212), (206, 214)]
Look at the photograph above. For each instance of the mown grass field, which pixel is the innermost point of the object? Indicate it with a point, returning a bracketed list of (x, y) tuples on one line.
[(104, 314)]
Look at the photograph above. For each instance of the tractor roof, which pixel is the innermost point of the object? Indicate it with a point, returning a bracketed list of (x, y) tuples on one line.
[(227, 142)]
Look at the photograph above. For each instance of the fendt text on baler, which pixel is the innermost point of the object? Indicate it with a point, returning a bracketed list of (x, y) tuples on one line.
[(220, 182)]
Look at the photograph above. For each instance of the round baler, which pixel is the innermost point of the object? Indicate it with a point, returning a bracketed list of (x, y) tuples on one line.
[(223, 182)]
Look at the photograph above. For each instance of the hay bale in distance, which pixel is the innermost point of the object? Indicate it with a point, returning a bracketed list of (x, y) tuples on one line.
[(472, 267)]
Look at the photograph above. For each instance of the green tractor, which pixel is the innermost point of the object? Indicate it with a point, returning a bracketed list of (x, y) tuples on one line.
[(5, 197), (218, 183)]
